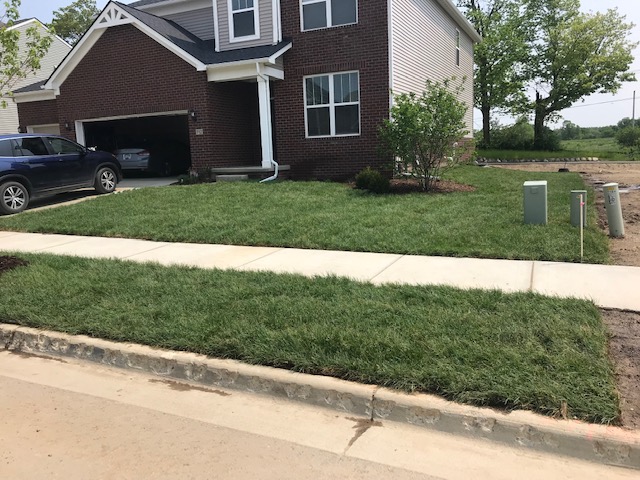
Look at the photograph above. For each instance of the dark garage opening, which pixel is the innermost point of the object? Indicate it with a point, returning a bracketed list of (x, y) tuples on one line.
[(165, 138)]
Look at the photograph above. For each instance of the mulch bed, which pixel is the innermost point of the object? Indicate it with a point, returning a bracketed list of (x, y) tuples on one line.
[(411, 185), (9, 263)]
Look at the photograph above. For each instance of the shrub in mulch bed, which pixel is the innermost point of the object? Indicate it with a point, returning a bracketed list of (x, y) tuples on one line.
[(9, 263)]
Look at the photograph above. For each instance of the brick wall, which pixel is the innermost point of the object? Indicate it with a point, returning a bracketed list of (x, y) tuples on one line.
[(128, 73), (363, 47), (38, 113)]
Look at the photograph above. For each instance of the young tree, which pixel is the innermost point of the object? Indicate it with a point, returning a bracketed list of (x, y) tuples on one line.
[(424, 130), (498, 80), (629, 138), (72, 21), (16, 61), (575, 55)]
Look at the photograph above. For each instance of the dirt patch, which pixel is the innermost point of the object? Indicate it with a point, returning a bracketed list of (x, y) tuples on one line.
[(624, 251), (9, 263), (624, 348), (411, 185)]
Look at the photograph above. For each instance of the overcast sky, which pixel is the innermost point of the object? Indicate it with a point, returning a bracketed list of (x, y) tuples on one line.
[(596, 110)]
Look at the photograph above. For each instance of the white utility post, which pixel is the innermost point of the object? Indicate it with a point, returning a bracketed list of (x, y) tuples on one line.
[(614, 210)]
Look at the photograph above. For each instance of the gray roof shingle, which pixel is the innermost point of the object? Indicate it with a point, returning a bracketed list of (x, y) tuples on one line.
[(202, 50), (34, 87)]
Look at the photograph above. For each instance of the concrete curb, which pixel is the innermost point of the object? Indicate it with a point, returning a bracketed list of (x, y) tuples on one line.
[(597, 443)]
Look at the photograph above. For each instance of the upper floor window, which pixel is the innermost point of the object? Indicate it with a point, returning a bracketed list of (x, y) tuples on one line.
[(458, 48), (332, 104), (328, 13), (243, 20)]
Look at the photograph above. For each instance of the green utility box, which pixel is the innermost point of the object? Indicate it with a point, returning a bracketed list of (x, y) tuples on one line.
[(575, 207), (535, 202)]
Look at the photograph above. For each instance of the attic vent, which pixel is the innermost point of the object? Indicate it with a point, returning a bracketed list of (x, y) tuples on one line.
[(113, 16)]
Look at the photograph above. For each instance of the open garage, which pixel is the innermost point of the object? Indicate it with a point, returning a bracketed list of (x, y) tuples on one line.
[(157, 145)]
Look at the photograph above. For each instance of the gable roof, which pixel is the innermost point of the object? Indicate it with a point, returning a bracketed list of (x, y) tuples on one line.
[(193, 50)]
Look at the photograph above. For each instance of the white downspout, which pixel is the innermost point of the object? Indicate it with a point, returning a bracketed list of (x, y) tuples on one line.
[(266, 111)]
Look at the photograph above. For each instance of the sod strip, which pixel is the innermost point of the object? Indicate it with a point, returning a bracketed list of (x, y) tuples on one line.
[(477, 347), (486, 223)]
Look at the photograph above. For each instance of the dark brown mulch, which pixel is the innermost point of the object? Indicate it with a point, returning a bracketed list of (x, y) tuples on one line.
[(9, 263), (411, 185)]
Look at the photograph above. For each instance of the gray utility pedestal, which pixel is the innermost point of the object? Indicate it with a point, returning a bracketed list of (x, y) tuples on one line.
[(535, 202), (575, 207), (614, 209)]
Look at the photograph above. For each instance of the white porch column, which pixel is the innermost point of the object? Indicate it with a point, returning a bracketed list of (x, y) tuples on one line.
[(266, 134)]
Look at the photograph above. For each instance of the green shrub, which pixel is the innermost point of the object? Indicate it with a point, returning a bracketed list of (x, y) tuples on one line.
[(372, 180)]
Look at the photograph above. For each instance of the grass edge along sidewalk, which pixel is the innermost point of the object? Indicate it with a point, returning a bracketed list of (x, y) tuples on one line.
[(485, 223), (477, 347)]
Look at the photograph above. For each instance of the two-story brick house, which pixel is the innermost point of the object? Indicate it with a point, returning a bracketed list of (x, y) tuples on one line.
[(305, 83)]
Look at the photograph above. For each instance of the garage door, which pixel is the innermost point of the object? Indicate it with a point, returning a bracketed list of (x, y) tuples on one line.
[(161, 135)]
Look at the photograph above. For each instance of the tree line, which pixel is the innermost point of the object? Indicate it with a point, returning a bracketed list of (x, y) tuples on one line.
[(538, 57)]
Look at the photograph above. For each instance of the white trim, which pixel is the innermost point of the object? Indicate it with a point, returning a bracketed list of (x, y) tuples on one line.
[(332, 106), (31, 127), (328, 12), (111, 15), (460, 19), (79, 124), (216, 25), (135, 115), (266, 127), (256, 22), (35, 96), (245, 69), (34, 20)]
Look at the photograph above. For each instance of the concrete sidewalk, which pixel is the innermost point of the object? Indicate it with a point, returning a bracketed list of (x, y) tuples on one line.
[(608, 286)]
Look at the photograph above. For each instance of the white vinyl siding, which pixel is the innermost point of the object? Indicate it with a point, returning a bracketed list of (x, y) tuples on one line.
[(265, 22), (199, 22), (424, 48), (58, 50)]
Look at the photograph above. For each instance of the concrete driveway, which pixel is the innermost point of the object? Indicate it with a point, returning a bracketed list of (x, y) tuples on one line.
[(142, 182), (78, 196)]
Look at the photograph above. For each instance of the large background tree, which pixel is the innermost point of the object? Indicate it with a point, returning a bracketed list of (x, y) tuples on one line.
[(16, 61), (499, 58), (574, 55), (72, 21)]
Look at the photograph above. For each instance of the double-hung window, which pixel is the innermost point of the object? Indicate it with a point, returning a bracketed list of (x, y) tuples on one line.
[(243, 20), (328, 13), (332, 104)]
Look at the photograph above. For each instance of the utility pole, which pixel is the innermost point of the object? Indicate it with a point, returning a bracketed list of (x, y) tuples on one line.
[(633, 114)]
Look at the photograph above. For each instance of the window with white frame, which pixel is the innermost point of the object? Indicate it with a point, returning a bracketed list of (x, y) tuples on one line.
[(458, 48), (243, 19), (328, 13), (332, 104)]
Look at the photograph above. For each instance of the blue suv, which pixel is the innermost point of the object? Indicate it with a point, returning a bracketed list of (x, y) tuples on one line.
[(33, 165)]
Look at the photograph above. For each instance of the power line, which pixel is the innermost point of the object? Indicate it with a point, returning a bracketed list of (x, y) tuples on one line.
[(600, 103)]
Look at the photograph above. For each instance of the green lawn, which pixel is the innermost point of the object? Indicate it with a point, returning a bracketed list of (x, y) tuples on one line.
[(478, 347), (485, 223), (601, 148)]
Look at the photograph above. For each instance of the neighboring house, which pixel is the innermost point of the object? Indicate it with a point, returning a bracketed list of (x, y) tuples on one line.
[(245, 82), (56, 53)]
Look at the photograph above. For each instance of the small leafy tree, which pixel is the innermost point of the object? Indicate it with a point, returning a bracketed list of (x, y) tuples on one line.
[(72, 21), (423, 131), (629, 138), (16, 61)]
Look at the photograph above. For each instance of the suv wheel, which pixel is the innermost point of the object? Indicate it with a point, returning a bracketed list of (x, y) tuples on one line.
[(105, 180), (14, 197)]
